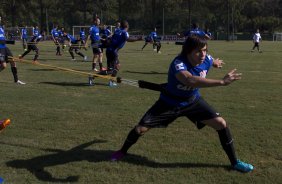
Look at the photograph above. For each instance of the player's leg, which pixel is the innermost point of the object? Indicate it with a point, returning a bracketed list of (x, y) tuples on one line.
[(146, 43), (36, 50), (203, 114), (159, 47), (71, 53), (158, 116), (13, 66)]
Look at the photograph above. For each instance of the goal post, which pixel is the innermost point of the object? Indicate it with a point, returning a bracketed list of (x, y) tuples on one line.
[(277, 36)]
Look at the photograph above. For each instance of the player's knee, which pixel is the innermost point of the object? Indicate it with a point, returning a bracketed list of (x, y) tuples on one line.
[(220, 123), (141, 130)]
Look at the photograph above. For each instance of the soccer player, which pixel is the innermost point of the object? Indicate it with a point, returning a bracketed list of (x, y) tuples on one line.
[(73, 43), (194, 31), (94, 35), (118, 40), (82, 38), (106, 35), (32, 46), (256, 39), (153, 38), (35, 31), (180, 97), (55, 37), (5, 53), (24, 37)]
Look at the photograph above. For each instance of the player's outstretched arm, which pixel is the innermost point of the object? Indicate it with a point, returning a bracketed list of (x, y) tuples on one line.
[(218, 63)]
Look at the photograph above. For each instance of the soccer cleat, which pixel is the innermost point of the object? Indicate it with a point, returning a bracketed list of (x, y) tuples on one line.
[(20, 82), (118, 155), (112, 83), (95, 69), (4, 123), (35, 62), (85, 58), (73, 59), (155, 49), (243, 167), (159, 52), (91, 81)]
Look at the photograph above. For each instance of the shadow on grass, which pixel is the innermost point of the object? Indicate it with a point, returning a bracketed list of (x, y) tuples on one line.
[(151, 72), (73, 84), (38, 164)]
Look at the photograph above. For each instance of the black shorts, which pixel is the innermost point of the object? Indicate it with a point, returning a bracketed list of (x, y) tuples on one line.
[(161, 114), (5, 52), (96, 51)]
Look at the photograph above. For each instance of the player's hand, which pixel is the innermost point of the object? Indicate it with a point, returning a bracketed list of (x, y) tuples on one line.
[(231, 77), (218, 63)]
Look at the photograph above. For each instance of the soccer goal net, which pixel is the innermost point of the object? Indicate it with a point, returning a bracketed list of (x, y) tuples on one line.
[(277, 37)]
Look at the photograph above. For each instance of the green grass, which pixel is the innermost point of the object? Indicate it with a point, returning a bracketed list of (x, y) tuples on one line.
[(64, 131)]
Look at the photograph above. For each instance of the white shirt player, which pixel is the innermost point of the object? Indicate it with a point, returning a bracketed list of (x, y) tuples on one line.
[(257, 37)]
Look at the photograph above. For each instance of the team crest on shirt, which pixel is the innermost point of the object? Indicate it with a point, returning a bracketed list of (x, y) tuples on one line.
[(179, 66), (203, 73)]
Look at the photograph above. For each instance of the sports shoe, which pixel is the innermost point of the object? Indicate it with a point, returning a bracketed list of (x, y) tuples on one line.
[(118, 155), (95, 69), (85, 58), (243, 167), (73, 59), (159, 52), (20, 82), (91, 81), (112, 83), (4, 123), (35, 62), (155, 49)]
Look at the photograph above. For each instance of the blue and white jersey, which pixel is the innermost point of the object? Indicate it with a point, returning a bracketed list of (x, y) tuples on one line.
[(117, 29), (119, 39), (2, 37), (36, 39), (176, 88), (106, 33), (71, 39), (24, 33), (55, 33), (196, 31), (94, 33), (82, 35), (35, 32), (153, 35)]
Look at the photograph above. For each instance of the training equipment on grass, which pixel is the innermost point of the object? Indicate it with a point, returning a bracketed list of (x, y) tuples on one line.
[(64, 69), (179, 43), (4, 123)]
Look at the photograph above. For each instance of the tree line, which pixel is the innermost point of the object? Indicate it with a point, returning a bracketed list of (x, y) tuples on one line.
[(169, 16)]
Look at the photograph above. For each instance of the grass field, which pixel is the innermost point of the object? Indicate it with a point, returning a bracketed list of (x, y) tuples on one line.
[(64, 131)]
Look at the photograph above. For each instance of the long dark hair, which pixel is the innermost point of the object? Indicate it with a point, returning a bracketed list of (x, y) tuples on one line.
[(192, 43)]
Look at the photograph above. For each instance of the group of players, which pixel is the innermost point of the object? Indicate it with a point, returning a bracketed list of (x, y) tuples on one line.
[(179, 96)]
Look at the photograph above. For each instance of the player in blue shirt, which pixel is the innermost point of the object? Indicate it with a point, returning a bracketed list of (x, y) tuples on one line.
[(5, 53), (82, 38), (94, 35), (180, 97), (35, 31), (24, 37), (194, 31), (106, 35), (55, 37), (118, 40), (155, 40), (32, 46), (73, 43)]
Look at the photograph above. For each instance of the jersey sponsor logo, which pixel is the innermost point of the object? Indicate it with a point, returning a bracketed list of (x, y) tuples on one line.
[(184, 88), (203, 73), (179, 66)]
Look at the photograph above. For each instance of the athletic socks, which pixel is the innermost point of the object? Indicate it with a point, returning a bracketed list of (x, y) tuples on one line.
[(227, 144), (131, 139), (15, 73)]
